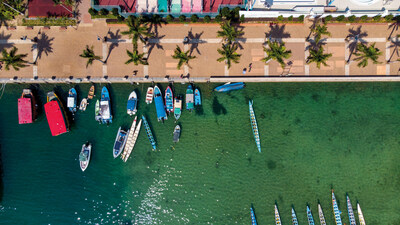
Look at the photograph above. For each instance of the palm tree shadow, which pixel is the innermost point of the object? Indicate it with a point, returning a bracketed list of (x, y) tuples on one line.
[(5, 37), (355, 35), (277, 31), (43, 45), (113, 36), (395, 45), (239, 28), (195, 44), (394, 26), (315, 45), (312, 27), (155, 21), (155, 43)]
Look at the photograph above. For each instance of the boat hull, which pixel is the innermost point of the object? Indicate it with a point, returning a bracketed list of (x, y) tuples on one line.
[(254, 126), (230, 87), (91, 92), (132, 138), (160, 108), (83, 105), (169, 100), (86, 149), (71, 100), (189, 98), (120, 142), (55, 114), (132, 104), (27, 107), (105, 107), (197, 97), (149, 95), (177, 133), (177, 108), (149, 133)]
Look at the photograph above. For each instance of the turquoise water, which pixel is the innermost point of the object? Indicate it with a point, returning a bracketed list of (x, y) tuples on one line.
[(314, 137)]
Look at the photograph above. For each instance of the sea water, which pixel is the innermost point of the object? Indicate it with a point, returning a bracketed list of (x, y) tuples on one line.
[(315, 137)]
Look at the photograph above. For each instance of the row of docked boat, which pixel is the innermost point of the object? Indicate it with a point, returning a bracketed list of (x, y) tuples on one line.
[(322, 220)]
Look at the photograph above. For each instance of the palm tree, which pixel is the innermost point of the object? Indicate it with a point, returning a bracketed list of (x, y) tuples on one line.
[(89, 54), (183, 57), (318, 56), (136, 58), (13, 59), (365, 53), (229, 54), (137, 31), (276, 51), (320, 30), (228, 32)]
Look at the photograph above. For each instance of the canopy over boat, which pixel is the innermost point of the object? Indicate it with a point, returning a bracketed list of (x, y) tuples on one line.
[(25, 110), (55, 115)]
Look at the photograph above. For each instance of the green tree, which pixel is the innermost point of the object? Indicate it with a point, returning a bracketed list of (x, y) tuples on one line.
[(366, 53), (318, 56), (320, 30), (229, 54), (136, 58), (137, 31), (228, 32), (183, 57), (276, 51), (13, 59), (88, 53)]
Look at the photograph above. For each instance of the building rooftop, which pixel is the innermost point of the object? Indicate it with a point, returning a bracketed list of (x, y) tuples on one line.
[(47, 8)]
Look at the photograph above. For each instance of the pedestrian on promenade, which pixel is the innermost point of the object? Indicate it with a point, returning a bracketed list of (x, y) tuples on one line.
[(98, 38), (250, 65)]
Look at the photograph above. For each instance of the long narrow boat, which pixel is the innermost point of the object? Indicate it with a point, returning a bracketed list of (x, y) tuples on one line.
[(91, 92), (277, 216), (336, 210), (350, 211), (229, 87), (253, 216), (169, 100), (149, 133), (177, 107), (105, 106), (131, 108), (360, 215), (120, 142), (149, 95), (26, 107), (254, 126), (56, 116), (132, 137), (310, 218), (160, 108), (197, 97), (294, 217), (321, 215), (189, 98), (84, 156), (97, 115), (71, 100)]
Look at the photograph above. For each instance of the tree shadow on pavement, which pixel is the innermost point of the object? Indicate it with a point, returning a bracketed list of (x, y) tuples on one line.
[(43, 45), (5, 37), (395, 44), (277, 31), (114, 38), (355, 35), (195, 44), (154, 43), (394, 26)]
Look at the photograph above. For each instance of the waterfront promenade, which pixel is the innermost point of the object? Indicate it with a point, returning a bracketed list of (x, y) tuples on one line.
[(57, 54)]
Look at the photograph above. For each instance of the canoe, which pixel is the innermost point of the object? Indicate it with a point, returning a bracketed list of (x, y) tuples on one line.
[(149, 95), (294, 217), (350, 211), (277, 216), (83, 104), (120, 142), (105, 106), (159, 102), (91, 92), (71, 100), (321, 215), (131, 108), (360, 215), (189, 98), (229, 87), (177, 107), (169, 100), (336, 210), (254, 126), (177, 133), (149, 133), (197, 97), (84, 156), (132, 137), (253, 216), (97, 115), (310, 218)]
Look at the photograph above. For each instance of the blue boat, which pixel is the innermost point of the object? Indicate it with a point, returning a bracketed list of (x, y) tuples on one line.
[(253, 216), (160, 108), (310, 217), (254, 126), (131, 108), (336, 210), (120, 141), (105, 107), (71, 100), (189, 98), (230, 87), (169, 99), (197, 97), (294, 217), (149, 133)]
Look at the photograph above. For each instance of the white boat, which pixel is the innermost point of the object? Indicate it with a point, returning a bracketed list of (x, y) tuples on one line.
[(350, 212), (360, 215), (149, 95), (321, 215), (177, 133), (277, 216), (120, 142), (132, 104), (84, 156), (132, 137), (83, 104)]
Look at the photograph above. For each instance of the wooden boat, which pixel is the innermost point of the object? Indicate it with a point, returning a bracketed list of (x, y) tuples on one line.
[(229, 87), (177, 107), (321, 215), (97, 115), (27, 107), (310, 218), (131, 108), (277, 216), (120, 142), (254, 126), (71, 100), (149, 95), (105, 106), (177, 133), (169, 100), (84, 156), (56, 116), (197, 97), (132, 137), (352, 219), (253, 216), (149, 133), (189, 98), (83, 104), (91, 92), (159, 102), (336, 210), (294, 217), (360, 215)]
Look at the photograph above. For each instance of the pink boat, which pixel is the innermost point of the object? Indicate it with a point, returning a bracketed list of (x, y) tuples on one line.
[(26, 107)]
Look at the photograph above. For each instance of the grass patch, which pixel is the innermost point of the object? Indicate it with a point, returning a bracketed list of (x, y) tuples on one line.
[(49, 22)]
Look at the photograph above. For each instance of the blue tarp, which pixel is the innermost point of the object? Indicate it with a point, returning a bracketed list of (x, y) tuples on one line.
[(161, 114)]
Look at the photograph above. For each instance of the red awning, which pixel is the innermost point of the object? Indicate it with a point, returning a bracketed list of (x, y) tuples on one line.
[(55, 118)]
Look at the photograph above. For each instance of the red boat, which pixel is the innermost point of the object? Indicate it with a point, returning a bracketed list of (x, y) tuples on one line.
[(26, 107), (55, 114)]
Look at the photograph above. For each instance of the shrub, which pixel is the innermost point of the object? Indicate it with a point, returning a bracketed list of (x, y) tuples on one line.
[(169, 18), (207, 19), (93, 12), (120, 18), (328, 18), (290, 18), (301, 18), (389, 18), (104, 12), (364, 18), (340, 18), (280, 18), (377, 17), (182, 18), (218, 18), (194, 18), (115, 11), (351, 18), (242, 18), (225, 12)]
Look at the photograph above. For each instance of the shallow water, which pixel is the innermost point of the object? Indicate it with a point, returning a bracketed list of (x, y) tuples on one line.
[(314, 137)]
